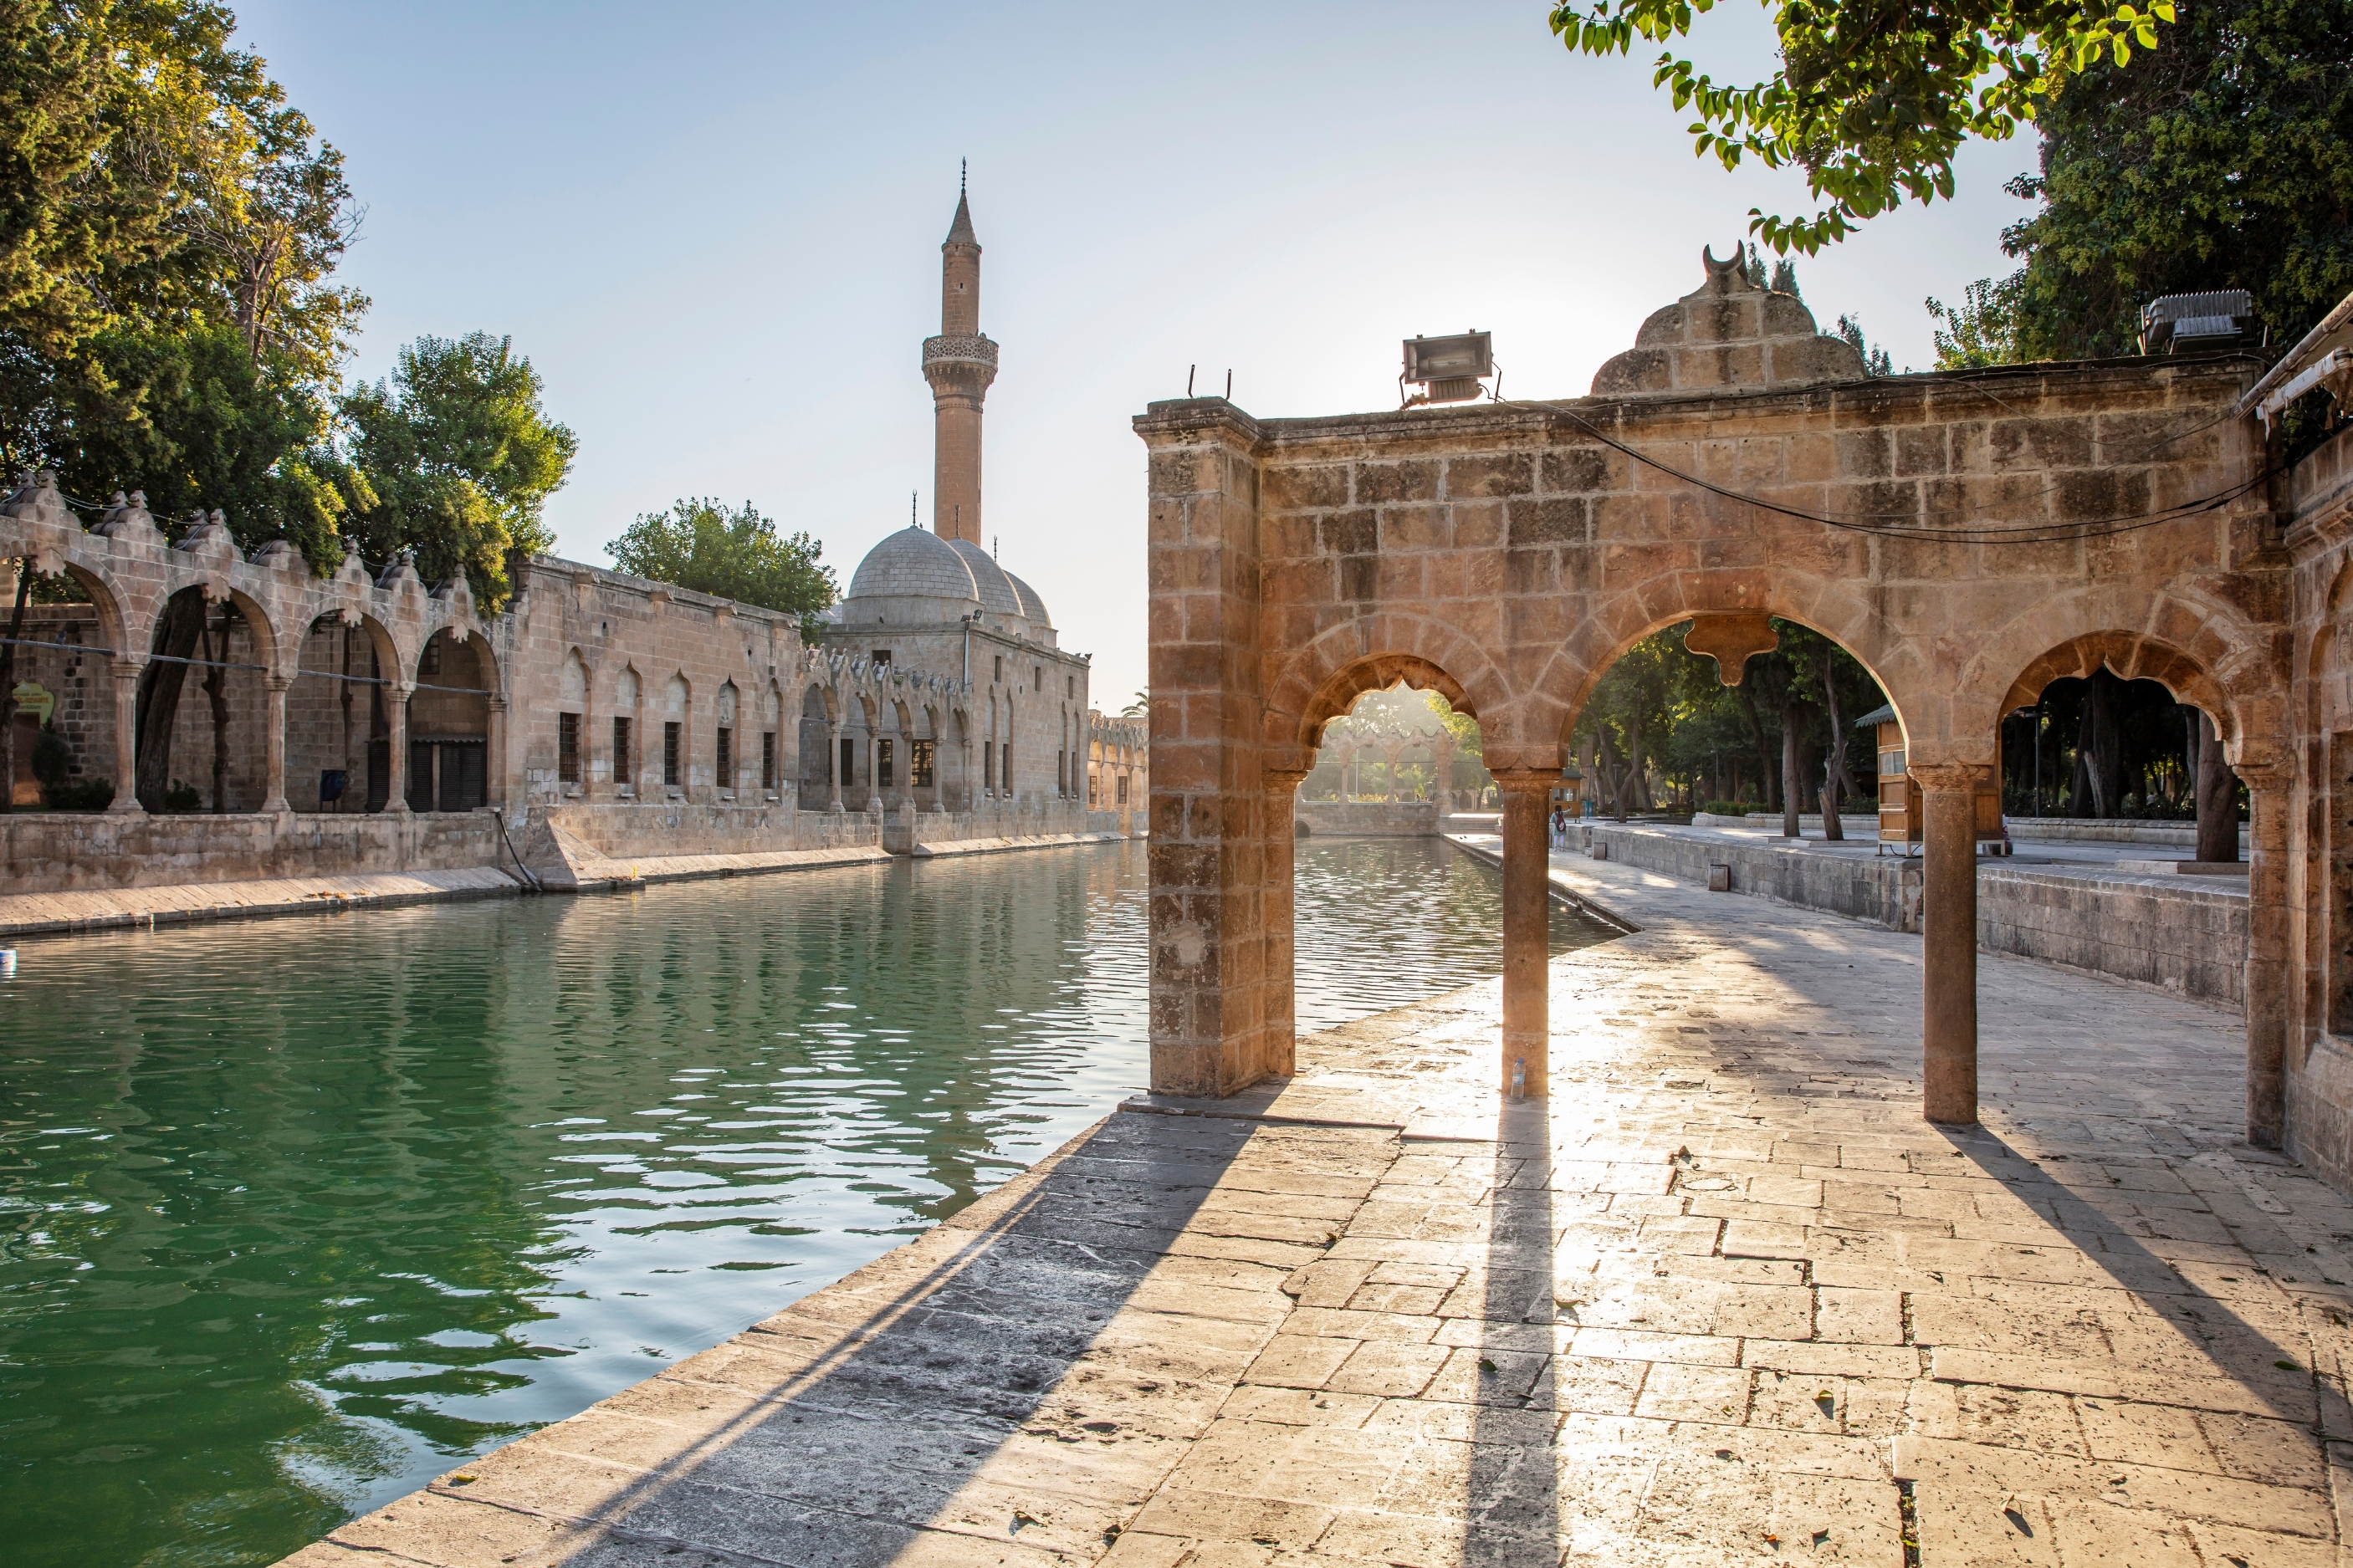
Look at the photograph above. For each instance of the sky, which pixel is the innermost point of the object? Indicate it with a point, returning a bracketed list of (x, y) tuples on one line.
[(714, 229)]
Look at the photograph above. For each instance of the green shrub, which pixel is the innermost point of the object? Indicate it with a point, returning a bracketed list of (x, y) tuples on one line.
[(1727, 808), (182, 799), (87, 794), (52, 758)]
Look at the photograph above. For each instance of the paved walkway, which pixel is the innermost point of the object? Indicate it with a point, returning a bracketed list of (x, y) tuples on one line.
[(1725, 1298)]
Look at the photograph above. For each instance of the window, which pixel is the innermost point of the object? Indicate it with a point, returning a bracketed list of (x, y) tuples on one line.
[(767, 759), (567, 748), (1037, 677), (430, 665), (1005, 767), (988, 761), (919, 763), (621, 750), (1122, 789), (1062, 783), (1069, 686), (669, 751), (849, 763), (1092, 787), (883, 764), (726, 758), (1000, 670), (881, 659), (1890, 763)]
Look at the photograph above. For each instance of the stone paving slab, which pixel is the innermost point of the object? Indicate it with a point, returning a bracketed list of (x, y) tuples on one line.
[(1724, 1298), (42, 914)]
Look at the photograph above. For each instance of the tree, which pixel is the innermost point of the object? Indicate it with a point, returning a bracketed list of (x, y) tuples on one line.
[(153, 183), (1982, 330), (1138, 706), (2222, 160), (739, 554), (1872, 100), (460, 459)]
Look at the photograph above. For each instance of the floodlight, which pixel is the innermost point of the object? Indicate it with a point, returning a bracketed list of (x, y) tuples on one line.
[(1449, 367)]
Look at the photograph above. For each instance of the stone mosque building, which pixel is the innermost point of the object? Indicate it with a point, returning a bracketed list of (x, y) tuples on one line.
[(361, 723), (939, 601)]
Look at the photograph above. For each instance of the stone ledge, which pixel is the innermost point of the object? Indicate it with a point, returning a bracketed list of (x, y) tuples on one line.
[(46, 914)]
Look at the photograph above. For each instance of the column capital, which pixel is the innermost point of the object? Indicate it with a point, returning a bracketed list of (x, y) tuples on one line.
[(277, 681), (1515, 781), (2265, 772), (1282, 781), (1946, 775), (126, 666)]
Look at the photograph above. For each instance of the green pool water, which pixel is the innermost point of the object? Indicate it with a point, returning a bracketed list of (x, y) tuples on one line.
[(295, 1214)]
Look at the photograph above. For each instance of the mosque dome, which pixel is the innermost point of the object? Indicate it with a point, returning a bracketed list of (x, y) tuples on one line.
[(912, 577), (998, 596), (1033, 608)]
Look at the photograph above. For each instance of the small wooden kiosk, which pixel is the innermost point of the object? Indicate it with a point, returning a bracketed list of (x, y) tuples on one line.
[(1901, 820)]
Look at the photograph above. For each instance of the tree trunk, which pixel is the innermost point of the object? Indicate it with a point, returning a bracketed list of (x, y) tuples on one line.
[(1638, 785), (8, 687), (1793, 778), (159, 694), (2218, 798), (1755, 719)]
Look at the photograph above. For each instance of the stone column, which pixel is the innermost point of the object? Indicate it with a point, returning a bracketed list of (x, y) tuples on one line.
[(494, 785), (273, 791), (2267, 981), (1276, 912), (396, 718), (1949, 989), (126, 736), (1528, 926), (833, 765), (1209, 803)]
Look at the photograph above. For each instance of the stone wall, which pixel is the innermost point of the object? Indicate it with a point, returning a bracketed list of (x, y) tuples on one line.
[(2176, 933), (1367, 818), (49, 852)]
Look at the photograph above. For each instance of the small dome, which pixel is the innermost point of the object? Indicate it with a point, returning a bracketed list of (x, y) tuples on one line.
[(913, 576), (1032, 606), (998, 596)]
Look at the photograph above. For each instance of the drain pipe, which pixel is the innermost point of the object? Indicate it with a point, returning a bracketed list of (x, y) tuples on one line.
[(530, 881)]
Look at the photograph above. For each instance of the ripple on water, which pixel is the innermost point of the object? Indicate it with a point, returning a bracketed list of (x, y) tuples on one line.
[(295, 1214)]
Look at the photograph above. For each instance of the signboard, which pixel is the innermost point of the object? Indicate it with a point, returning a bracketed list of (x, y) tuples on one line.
[(36, 699)]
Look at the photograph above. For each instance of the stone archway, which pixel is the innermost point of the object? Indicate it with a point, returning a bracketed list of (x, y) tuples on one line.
[(1734, 462)]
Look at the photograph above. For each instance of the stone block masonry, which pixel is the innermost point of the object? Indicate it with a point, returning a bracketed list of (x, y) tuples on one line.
[(1724, 1299)]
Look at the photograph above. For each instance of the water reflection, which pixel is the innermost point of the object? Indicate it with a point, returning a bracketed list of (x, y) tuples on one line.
[(292, 1213)]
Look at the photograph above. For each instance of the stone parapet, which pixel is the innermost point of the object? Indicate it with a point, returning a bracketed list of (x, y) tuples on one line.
[(2186, 937), (1367, 818)]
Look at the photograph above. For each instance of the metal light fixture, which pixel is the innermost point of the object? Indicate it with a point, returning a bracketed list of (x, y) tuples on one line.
[(1449, 368)]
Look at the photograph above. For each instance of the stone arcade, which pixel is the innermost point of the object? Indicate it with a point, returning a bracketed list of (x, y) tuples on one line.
[(1969, 536), (364, 719)]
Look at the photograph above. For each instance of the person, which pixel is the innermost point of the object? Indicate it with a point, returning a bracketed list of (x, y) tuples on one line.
[(1559, 826)]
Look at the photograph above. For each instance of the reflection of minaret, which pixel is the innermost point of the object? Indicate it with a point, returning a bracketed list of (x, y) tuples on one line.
[(959, 364)]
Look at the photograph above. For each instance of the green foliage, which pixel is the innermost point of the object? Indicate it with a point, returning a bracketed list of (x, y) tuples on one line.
[(738, 554), (1982, 330), (2223, 160), (196, 421), (1872, 101), (1727, 808), (52, 758), (461, 457)]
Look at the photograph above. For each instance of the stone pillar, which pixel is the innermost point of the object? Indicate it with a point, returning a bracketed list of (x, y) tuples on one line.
[(396, 718), (1527, 927), (494, 786), (273, 789), (2267, 952), (833, 765), (1949, 989), (1209, 799), (126, 736), (1275, 909)]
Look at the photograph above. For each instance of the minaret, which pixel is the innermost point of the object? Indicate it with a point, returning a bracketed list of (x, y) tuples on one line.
[(959, 364)]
